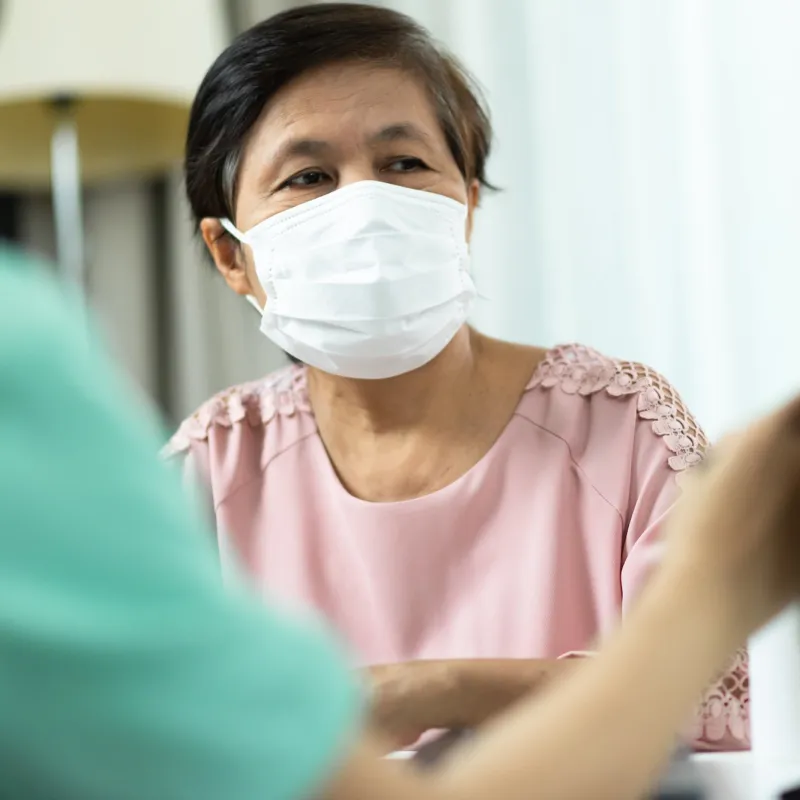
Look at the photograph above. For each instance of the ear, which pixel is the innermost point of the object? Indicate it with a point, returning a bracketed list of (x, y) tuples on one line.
[(228, 255), (473, 199)]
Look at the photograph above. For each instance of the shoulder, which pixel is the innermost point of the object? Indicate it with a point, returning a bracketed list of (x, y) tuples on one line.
[(256, 405), (633, 392)]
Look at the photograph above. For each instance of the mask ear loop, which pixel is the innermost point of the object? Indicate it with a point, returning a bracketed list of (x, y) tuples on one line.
[(253, 302), (237, 234), (232, 229)]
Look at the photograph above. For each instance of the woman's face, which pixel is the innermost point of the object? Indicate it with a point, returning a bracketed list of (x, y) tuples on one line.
[(330, 128)]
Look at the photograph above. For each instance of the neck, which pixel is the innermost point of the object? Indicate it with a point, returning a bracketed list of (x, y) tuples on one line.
[(432, 396)]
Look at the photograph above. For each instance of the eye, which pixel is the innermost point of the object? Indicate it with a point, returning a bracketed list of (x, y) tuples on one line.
[(304, 180), (407, 164)]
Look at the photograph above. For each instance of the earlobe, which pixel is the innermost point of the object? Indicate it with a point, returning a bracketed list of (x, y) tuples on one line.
[(473, 199), (227, 254)]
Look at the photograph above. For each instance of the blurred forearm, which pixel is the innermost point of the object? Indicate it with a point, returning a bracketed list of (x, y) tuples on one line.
[(413, 697), (641, 680)]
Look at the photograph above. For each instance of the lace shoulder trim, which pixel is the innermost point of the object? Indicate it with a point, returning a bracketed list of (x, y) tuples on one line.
[(283, 393), (577, 369)]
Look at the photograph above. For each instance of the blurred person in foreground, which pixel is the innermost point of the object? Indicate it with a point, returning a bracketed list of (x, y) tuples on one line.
[(464, 511), (127, 670)]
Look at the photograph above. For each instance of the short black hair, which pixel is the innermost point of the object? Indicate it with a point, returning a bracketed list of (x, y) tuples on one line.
[(265, 58)]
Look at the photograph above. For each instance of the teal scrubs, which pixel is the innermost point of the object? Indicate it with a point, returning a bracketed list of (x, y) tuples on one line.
[(126, 669)]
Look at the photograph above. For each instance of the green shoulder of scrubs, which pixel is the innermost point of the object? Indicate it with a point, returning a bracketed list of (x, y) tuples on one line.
[(126, 669)]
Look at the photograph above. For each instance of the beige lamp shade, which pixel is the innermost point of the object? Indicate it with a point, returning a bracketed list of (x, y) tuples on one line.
[(131, 66)]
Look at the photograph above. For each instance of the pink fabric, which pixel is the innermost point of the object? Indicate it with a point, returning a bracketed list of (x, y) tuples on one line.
[(533, 553)]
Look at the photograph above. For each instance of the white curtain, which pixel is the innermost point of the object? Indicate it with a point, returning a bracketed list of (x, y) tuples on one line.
[(649, 154)]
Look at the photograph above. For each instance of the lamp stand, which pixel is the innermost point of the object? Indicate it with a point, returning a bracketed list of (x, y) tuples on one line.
[(66, 189)]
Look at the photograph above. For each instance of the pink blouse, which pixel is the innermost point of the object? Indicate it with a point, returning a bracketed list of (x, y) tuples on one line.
[(534, 552)]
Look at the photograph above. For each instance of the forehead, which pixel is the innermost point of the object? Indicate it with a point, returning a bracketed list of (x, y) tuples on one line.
[(345, 102)]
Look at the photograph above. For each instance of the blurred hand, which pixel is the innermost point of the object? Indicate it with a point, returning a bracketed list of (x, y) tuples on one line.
[(737, 525), (411, 698)]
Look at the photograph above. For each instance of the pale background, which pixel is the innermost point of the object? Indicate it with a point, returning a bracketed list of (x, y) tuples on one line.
[(649, 154)]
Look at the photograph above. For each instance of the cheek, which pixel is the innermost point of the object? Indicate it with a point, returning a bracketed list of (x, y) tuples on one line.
[(455, 192), (454, 187)]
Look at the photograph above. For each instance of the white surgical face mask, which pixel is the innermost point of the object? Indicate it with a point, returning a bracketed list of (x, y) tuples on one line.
[(369, 281)]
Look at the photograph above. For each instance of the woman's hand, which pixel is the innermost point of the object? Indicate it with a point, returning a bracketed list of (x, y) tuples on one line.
[(737, 526), (406, 699), (413, 697)]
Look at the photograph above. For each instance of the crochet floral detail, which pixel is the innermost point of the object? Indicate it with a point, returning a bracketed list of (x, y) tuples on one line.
[(284, 393), (723, 719), (581, 370)]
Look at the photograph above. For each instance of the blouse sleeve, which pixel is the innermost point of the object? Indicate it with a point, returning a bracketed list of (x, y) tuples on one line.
[(189, 455), (128, 670), (667, 442), (192, 465)]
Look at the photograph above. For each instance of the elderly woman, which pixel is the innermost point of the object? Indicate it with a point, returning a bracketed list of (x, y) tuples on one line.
[(465, 511)]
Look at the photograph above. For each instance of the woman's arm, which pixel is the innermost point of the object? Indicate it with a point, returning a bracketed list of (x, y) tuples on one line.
[(567, 743), (669, 444), (412, 697)]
